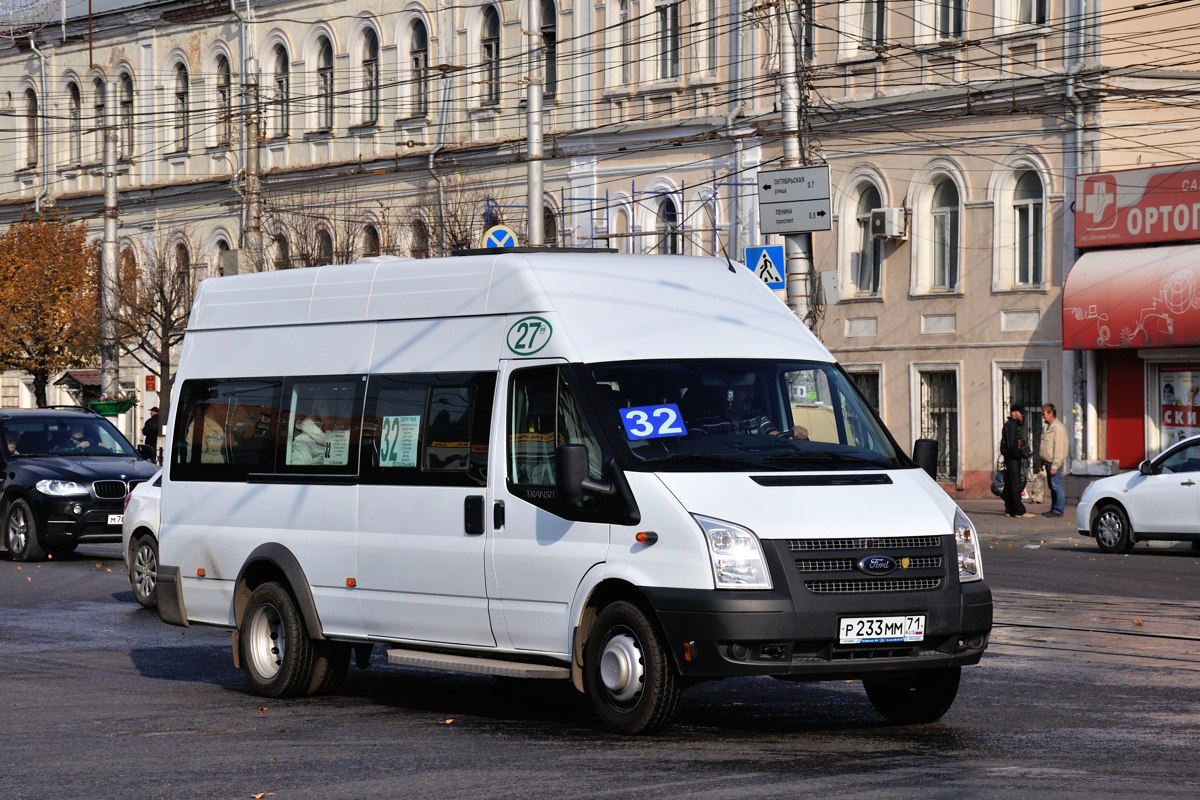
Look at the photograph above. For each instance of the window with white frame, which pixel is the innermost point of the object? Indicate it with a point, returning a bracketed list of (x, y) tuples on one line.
[(224, 101), (1031, 12), (418, 62), (668, 40), (712, 33), (74, 124), (182, 119), (866, 260), (945, 216), (370, 77), (868, 382), (1028, 215), (490, 57), (948, 18), (99, 96), (669, 234), (808, 28), (618, 232), (549, 48), (864, 26), (31, 128), (938, 418), (625, 22), (125, 151), (325, 96), (370, 241), (549, 227), (281, 94)]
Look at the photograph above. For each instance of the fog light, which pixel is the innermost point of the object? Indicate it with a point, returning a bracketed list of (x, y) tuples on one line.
[(739, 651), (77, 509)]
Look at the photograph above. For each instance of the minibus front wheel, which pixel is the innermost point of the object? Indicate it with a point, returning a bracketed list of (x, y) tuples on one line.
[(276, 651), (629, 676)]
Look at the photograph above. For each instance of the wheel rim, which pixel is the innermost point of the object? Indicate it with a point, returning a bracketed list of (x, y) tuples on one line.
[(1109, 529), (145, 570), (18, 530), (622, 668), (267, 643)]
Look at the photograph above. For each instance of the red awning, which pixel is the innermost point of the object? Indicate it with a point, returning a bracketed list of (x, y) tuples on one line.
[(1140, 297)]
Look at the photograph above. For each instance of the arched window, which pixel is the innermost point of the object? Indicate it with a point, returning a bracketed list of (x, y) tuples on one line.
[(183, 266), (223, 264), (619, 237), (324, 84), (418, 59), (283, 252), (74, 124), (371, 245), (668, 227), (550, 47), (866, 259), (98, 98), (224, 101), (370, 76), (31, 128), (490, 57), (626, 37), (1028, 204), (945, 216), (668, 39), (126, 110), (419, 246), (281, 99), (324, 246), (549, 227), (181, 108)]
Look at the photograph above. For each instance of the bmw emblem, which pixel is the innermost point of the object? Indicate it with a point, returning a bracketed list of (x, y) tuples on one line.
[(877, 565)]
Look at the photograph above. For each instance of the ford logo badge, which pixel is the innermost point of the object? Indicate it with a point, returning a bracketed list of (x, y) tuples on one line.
[(877, 565)]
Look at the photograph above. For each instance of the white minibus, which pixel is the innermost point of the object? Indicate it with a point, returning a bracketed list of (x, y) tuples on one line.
[(628, 472)]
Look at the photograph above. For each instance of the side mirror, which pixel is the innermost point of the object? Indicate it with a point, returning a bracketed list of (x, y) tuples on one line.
[(145, 451), (925, 453), (1146, 468), (571, 468)]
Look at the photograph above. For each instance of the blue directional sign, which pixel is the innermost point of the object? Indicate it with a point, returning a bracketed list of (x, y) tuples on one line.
[(767, 263), (499, 236)]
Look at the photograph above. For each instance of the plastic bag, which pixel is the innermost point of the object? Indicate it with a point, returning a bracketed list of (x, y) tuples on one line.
[(998, 483)]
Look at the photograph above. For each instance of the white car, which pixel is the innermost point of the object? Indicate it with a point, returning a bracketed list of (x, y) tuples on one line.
[(139, 540), (1160, 501)]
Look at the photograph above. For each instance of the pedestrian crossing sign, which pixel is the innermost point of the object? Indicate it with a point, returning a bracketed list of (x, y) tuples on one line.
[(767, 263)]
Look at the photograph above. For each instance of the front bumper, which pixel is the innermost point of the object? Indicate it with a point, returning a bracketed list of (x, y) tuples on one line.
[(791, 631), (73, 520)]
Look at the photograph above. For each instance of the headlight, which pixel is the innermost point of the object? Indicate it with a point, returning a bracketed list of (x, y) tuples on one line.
[(61, 488), (970, 568), (737, 559)]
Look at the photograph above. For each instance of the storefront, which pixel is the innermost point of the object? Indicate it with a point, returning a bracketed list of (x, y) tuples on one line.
[(1131, 302)]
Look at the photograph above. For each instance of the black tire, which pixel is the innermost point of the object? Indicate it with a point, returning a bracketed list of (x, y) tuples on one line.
[(276, 652), (21, 532), (914, 698), (143, 571), (1111, 530), (628, 673)]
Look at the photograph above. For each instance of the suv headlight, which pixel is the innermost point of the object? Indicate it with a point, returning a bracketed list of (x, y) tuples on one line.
[(737, 559), (61, 488), (970, 568)]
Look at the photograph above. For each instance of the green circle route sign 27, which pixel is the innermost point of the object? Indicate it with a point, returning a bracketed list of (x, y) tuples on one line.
[(528, 335)]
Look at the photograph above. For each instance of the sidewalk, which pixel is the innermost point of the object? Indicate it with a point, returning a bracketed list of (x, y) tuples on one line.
[(989, 519)]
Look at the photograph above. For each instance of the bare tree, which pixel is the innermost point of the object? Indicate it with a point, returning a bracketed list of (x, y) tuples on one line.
[(453, 216), (155, 287)]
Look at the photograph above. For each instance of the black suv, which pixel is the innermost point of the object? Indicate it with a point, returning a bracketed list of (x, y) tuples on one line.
[(66, 474)]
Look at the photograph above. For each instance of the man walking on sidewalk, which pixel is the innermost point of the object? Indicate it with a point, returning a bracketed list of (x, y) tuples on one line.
[(1054, 458), (1015, 449)]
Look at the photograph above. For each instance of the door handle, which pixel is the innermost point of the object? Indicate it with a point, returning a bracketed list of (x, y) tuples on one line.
[(473, 514), (1188, 482), (498, 515)]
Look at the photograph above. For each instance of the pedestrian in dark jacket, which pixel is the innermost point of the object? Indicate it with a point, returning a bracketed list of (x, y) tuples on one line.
[(152, 428), (1015, 449)]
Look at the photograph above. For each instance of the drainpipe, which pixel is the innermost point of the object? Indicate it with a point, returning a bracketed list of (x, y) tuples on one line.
[(45, 144)]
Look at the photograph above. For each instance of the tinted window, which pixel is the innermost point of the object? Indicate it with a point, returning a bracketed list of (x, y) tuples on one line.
[(225, 429), (322, 418)]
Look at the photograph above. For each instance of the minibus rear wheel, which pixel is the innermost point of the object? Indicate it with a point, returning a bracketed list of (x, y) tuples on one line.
[(629, 676), (916, 697), (277, 653)]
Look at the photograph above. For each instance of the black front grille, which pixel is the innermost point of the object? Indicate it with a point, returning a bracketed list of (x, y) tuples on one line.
[(832, 566), (110, 490)]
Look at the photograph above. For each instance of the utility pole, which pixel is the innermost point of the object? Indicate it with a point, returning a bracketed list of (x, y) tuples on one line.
[(797, 247), (253, 233), (535, 226), (110, 383)]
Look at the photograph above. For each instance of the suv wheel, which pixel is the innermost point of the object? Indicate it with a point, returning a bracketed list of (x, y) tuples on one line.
[(21, 534)]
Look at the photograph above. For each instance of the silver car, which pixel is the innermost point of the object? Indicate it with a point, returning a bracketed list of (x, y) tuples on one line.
[(1160, 501), (139, 540)]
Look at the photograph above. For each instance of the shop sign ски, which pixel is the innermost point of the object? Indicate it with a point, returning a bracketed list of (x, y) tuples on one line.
[(1138, 206)]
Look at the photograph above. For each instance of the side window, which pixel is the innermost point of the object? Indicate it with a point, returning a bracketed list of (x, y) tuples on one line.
[(428, 429), (1185, 460), (225, 429), (322, 420), (543, 414)]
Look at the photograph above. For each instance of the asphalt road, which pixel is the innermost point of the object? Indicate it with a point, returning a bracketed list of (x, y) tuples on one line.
[(1089, 690)]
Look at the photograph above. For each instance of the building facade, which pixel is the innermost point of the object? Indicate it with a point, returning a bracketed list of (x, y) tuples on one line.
[(269, 134)]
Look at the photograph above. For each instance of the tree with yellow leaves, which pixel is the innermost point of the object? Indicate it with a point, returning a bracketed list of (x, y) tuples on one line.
[(49, 308)]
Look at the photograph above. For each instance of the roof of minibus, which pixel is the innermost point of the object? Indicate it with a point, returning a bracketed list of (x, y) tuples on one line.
[(609, 305)]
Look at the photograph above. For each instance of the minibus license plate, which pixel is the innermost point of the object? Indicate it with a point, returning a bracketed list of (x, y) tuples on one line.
[(115, 519), (874, 630)]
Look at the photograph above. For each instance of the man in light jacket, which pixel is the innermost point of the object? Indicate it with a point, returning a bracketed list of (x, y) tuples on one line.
[(1053, 453)]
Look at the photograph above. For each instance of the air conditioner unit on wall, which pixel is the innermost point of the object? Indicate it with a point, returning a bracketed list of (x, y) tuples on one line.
[(889, 223)]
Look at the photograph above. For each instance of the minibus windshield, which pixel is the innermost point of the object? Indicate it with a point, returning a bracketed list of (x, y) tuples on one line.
[(737, 414)]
